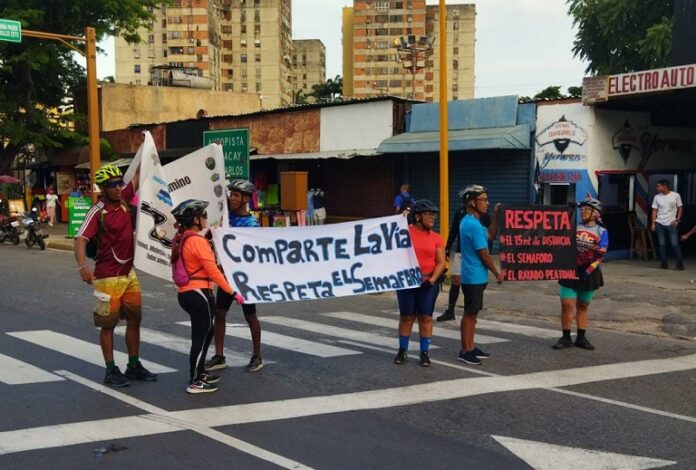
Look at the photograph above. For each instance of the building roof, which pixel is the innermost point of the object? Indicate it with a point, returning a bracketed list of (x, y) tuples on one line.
[(515, 137)]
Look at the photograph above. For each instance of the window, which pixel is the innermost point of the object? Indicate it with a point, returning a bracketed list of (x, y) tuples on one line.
[(257, 29), (164, 22), (136, 53), (383, 5), (557, 194), (228, 58), (164, 38), (136, 68), (382, 44), (137, 81), (176, 50), (455, 26), (257, 43), (164, 52), (244, 87), (243, 29), (227, 30), (229, 86), (258, 73), (244, 58), (244, 73), (151, 53), (455, 38), (257, 2), (257, 16), (242, 15), (176, 35), (258, 87), (190, 51), (151, 38), (243, 42), (257, 57), (455, 50), (227, 44), (396, 18)]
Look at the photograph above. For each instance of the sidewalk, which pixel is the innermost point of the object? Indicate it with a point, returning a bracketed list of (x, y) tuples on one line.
[(637, 296)]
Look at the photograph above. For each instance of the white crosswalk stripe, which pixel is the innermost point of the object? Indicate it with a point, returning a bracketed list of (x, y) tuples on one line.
[(390, 340), (79, 349), (181, 344), (290, 343), (393, 323), (16, 372)]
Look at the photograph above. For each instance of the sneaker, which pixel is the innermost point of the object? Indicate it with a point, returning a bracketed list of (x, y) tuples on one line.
[(200, 386), (401, 356), (583, 343), (140, 373), (424, 359), (480, 354), (210, 378), (255, 363), (564, 342), (664, 266), (469, 358), (446, 316), (216, 362), (680, 267), (115, 378)]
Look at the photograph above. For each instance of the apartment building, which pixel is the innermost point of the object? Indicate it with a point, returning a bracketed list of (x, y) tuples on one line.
[(257, 49), (240, 45), (309, 61), (391, 47), (185, 34)]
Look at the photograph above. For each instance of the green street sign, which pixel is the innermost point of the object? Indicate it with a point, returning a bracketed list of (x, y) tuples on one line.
[(77, 211), (10, 30), (235, 148)]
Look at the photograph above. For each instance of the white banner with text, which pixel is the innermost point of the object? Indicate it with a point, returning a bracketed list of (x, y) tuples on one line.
[(283, 264)]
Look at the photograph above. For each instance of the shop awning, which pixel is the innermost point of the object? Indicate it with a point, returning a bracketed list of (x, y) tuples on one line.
[(515, 137), (341, 154)]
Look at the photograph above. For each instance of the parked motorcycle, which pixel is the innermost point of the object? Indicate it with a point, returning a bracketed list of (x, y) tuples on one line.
[(8, 229), (32, 229)]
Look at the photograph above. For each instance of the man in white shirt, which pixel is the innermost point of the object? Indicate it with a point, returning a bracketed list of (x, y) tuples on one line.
[(667, 211)]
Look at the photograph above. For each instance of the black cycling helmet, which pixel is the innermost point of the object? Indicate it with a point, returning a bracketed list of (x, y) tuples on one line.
[(591, 202), (424, 205), (187, 210), (241, 186), (471, 192)]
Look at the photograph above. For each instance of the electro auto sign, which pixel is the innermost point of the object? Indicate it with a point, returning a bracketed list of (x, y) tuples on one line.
[(649, 81)]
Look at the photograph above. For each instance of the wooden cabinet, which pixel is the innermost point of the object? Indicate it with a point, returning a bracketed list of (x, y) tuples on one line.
[(293, 190)]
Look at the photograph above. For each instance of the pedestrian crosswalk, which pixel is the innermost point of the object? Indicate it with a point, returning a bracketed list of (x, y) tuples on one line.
[(322, 337)]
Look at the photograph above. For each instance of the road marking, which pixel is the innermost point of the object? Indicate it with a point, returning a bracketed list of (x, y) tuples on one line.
[(79, 349), (312, 348), (157, 418), (391, 323), (15, 372), (83, 432), (543, 456), (504, 327), (343, 333), (181, 344)]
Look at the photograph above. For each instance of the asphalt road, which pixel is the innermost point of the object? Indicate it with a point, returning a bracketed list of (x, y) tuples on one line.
[(329, 396)]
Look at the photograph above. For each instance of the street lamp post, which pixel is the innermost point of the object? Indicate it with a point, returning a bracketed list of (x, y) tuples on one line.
[(413, 53)]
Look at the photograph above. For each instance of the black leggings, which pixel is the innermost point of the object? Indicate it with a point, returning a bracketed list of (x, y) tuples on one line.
[(200, 305)]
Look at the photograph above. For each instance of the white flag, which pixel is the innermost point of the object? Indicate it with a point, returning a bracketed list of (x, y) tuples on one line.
[(155, 223)]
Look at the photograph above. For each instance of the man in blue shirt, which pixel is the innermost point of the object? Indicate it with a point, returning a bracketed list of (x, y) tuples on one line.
[(476, 262), (240, 192), (403, 200)]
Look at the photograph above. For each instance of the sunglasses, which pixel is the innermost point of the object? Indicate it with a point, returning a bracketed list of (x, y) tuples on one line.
[(113, 184)]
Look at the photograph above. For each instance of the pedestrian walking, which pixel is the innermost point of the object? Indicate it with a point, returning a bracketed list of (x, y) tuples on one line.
[(667, 209), (195, 270), (419, 302), (116, 286), (240, 192), (476, 262), (592, 241), (403, 200), (51, 202)]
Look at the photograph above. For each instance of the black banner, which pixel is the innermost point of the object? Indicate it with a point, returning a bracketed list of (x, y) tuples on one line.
[(537, 243)]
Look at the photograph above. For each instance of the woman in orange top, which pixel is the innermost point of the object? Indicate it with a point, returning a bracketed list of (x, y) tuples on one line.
[(196, 295), (420, 301)]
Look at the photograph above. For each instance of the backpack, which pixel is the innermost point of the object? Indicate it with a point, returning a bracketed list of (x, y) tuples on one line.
[(92, 247), (180, 274)]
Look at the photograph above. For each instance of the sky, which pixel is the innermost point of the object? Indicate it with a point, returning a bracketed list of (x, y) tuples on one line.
[(522, 46)]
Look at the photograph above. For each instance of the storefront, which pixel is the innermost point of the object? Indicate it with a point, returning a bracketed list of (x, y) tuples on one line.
[(626, 137)]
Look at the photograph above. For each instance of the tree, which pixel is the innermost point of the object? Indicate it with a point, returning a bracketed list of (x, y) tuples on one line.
[(299, 97), (550, 93), (39, 75), (330, 91), (617, 36)]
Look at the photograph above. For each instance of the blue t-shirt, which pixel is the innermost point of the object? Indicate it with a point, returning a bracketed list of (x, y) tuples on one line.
[(243, 221), (473, 237)]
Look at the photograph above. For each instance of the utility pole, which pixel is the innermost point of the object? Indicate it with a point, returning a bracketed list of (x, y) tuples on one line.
[(444, 137), (90, 53)]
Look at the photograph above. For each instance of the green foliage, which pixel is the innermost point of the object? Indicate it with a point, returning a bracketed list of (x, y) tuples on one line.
[(550, 93), (330, 91), (40, 74), (574, 92), (617, 36)]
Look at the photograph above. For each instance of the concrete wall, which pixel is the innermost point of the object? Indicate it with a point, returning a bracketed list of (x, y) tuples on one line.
[(125, 105), (356, 126)]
